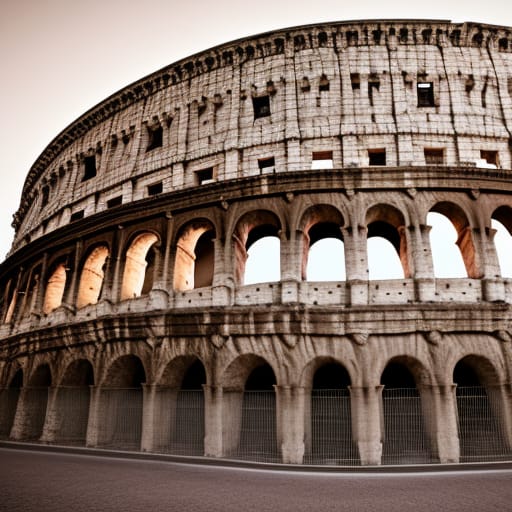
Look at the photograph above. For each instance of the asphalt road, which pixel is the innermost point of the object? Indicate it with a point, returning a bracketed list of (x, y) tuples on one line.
[(57, 482)]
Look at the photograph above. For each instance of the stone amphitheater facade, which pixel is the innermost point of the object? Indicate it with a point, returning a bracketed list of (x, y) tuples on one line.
[(132, 236)]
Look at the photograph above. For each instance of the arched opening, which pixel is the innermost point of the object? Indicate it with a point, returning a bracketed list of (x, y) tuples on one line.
[(323, 246), (121, 404), (188, 436), (10, 303), (404, 436), (139, 267), (72, 403), (195, 256), (258, 433), (502, 222), (9, 402), (451, 242), (386, 243), (479, 411), (32, 290), (55, 289), (91, 277), (36, 403), (326, 255), (257, 248), (331, 420)]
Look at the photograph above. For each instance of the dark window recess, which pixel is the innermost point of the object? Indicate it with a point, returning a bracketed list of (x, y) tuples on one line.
[(373, 85), (261, 106), (89, 167), (324, 84), (377, 156), (483, 94), (434, 156), (491, 157), (77, 216), (267, 164), (322, 160), (45, 196), (425, 94), (155, 137), (509, 85), (115, 201), (155, 189), (204, 176), (355, 81)]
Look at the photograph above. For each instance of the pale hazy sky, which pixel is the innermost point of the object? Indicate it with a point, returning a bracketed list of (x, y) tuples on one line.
[(61, 57)]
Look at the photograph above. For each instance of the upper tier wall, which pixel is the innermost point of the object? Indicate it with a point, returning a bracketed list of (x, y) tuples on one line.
[(335, 91)]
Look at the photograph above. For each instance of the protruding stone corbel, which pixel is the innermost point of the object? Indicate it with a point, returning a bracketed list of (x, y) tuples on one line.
[(433, 337), (219, 340), (503, 336), (359, 338)]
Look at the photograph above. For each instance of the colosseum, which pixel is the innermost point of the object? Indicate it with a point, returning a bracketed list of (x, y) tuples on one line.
[(129, 322)]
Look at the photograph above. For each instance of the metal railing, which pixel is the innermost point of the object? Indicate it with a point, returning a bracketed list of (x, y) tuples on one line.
[(175, 423)]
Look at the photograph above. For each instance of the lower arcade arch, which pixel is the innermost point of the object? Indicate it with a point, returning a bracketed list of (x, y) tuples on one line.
[(69, 421), (404, 412), (120, 403), (179, 422), (32, 407), (328, 435), (8, 403), (481, 420), (251, 420)]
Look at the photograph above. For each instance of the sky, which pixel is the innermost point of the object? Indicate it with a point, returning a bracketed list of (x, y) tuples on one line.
[(61, 57)]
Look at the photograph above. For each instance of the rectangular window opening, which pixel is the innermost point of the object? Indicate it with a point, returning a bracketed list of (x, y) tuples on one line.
[(89, 167), (322, 160), (77, 216), (204, 176), (155, 138), (355, 81), (425, 94), (261, 106), (324, 84), (434, 156), (115, 201), (267, 165), (489, 159), (155, 189), (377, 156), (46, 196)]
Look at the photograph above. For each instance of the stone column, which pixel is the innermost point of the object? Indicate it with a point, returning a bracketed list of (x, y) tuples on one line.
[(96, 406), (30, 413), (147, 440), (52, 420), (290, 269), (356, 263), (290, 423), (214, 421), (232, 401), (493, 286), (367, 422), (439, 412), (222, 285), (424, 266), (500, 399)]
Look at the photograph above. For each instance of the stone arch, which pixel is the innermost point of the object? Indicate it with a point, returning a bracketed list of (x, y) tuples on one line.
[(480, 409), (91, 276), (31, 417), (460, 221), (195, 255), (139, 266), (179, 398), (250, 228), (71, 411), (55, 287), (388, 222), (250, 419), (321, 223), (9, 397), (405, 410), (121, 402), (501, 222), (328, 435)]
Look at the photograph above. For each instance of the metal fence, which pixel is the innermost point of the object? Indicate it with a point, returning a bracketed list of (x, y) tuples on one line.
[(251, 423)]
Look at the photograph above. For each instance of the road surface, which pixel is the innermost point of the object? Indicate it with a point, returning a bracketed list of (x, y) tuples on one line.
[(59, 482)]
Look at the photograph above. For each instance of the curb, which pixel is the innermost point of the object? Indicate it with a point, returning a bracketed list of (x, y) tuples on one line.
[(263, 466)]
